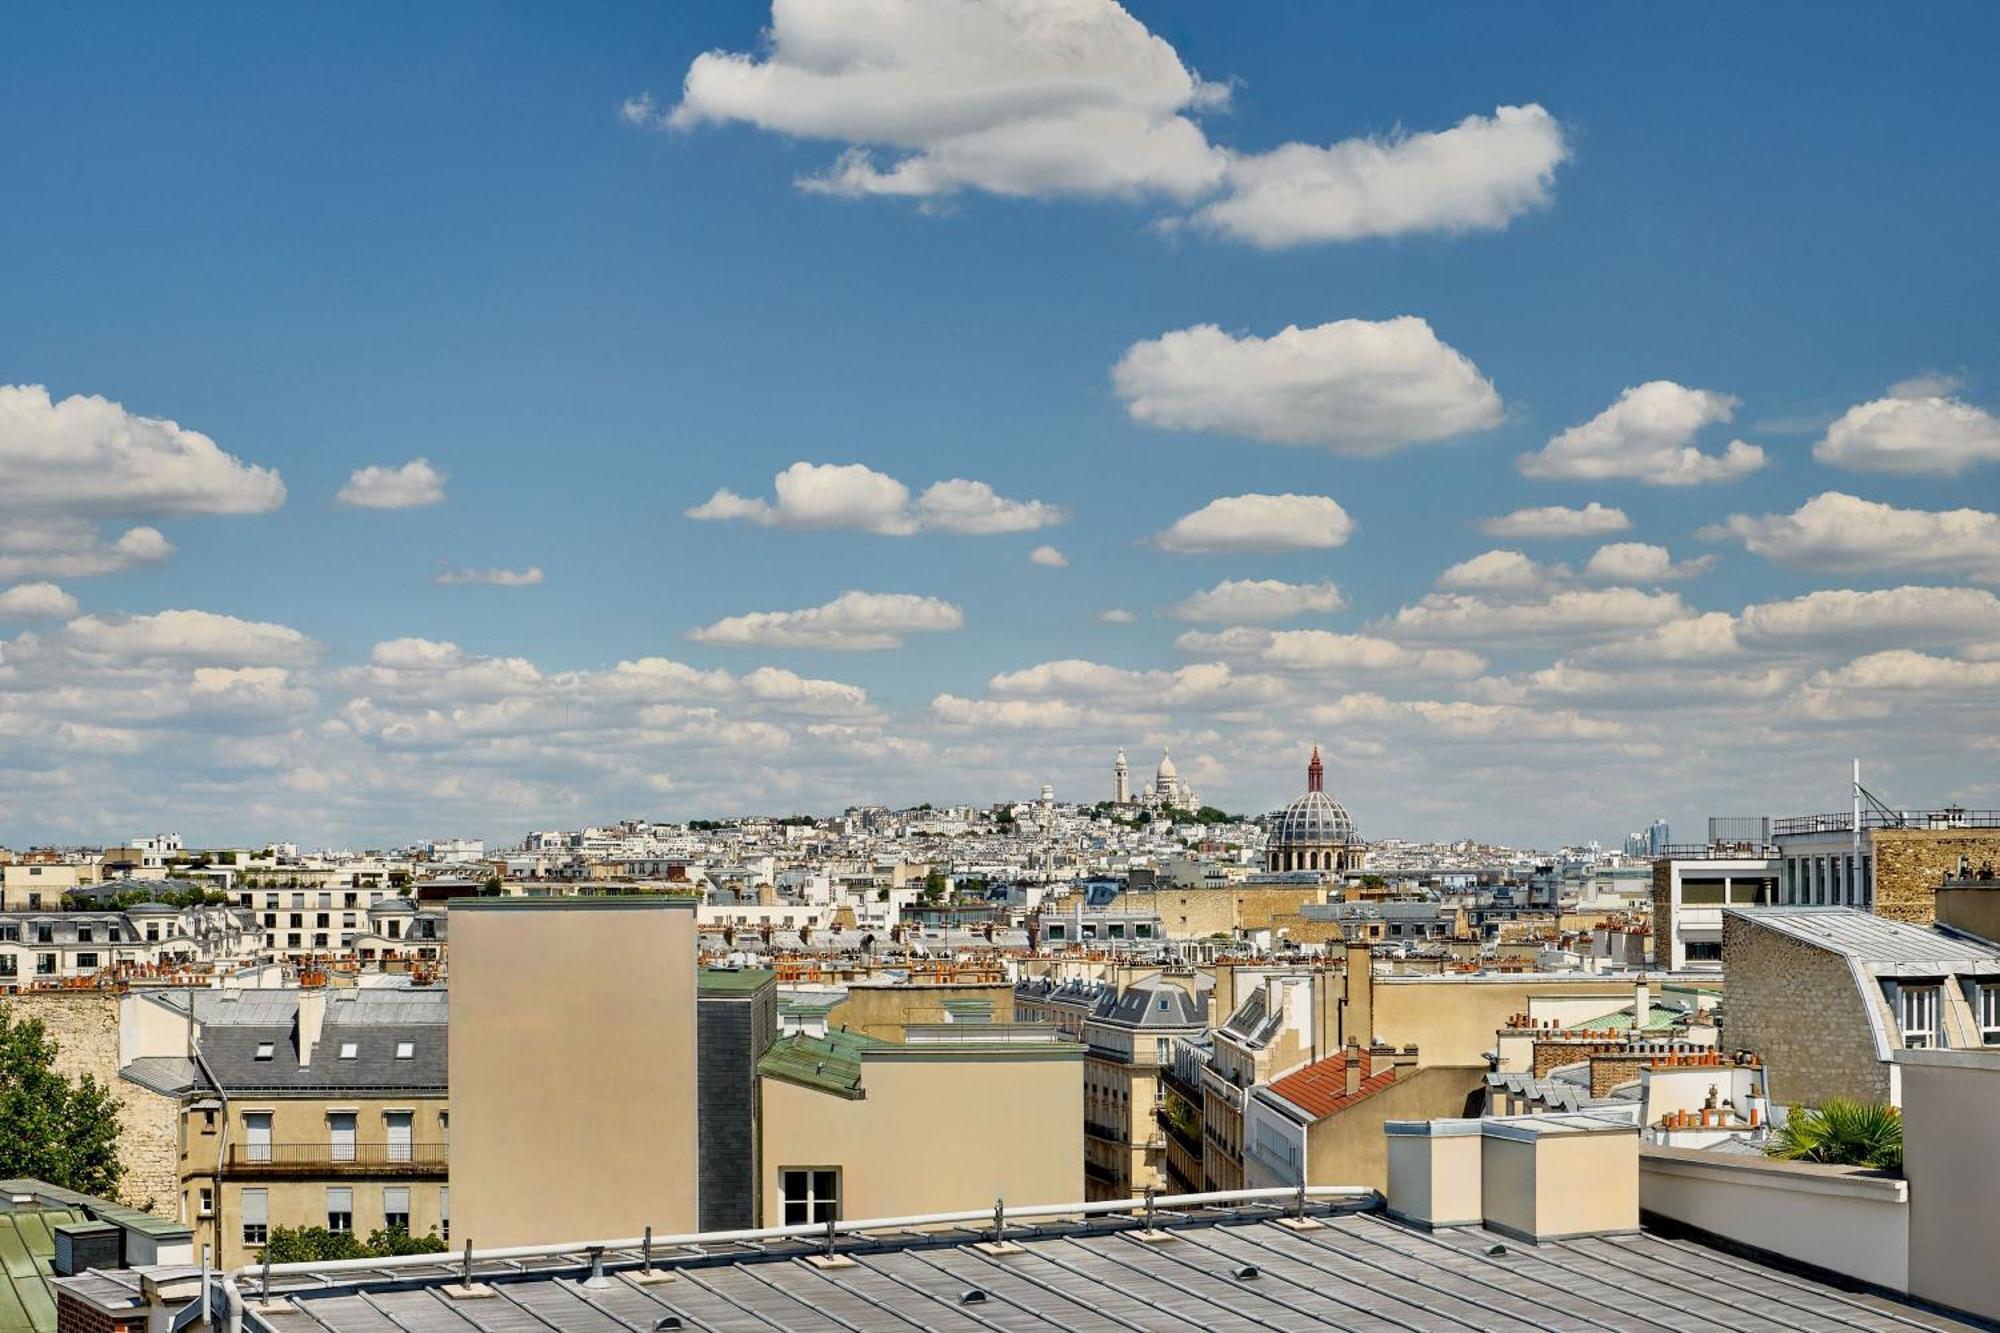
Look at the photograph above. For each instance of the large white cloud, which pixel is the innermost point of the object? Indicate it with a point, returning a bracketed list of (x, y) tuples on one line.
[(853, 495), (191, 636), (87, 455), (410, 485), (64, 547), (1352, 386), (1648, 435), (1476, 176), (1244, 601), (1903, 669), (1851, 617), (1323, 652), (1593, 520), (1915, 430), (854, 621), (1259, 523), (1075, 97), (1642, 562), (1501, 572), (1841, 532)]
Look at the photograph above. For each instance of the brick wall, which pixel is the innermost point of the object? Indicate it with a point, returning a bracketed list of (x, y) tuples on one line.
[(1800, 1009), (1909, 864), (84, 1025), (75, 1316)]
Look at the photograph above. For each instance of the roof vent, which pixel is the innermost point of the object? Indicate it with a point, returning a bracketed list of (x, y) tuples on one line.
[(973, 1296), (669, 1321), (1496, 1250), (1246, 1273)]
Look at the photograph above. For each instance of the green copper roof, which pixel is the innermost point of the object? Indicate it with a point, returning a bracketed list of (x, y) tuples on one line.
[(27, 1245), (1658, 1020), (831, 1063), (734, 981)]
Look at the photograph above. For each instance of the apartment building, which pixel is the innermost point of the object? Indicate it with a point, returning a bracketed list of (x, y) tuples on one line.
[(300, 1107), (1828, 996), (45, 948), (38, 885), (1890, 863), (954, 1116), (1130, 1040)]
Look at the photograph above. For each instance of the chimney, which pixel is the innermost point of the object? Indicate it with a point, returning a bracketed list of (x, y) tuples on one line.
[(1642, 1005), (312, 1014), (1357, 1022), (1352, 1060)]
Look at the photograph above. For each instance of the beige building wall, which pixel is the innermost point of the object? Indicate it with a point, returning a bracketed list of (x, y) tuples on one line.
[(1452, 1020), (884, 1011), (1349, 1148), (1199, 913), (1975, 911), (573, 1068), (1952, 1161), (1434, 1172), (1800, 1010), (933, 1131), (1560, 1183)]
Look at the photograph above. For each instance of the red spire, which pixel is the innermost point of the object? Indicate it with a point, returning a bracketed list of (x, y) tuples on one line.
[(1315, 773)]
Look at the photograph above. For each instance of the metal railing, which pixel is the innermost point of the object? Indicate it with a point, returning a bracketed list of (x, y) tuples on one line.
[(1098, 1130), (1842, 821), (326, 1159)]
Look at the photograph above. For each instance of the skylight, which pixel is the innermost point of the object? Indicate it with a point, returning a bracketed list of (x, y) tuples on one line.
[(348, 1050), (264, 1050), (406, 1050)]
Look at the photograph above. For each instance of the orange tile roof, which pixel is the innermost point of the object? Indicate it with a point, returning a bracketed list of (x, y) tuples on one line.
[(1320, 1089)]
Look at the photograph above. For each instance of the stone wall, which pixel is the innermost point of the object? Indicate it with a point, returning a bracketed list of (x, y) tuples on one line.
[(1910, 864), (84, 1026), (1800, 1009), (1663, 914)]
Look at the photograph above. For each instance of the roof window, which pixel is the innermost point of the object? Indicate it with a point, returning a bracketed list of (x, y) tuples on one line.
[(349, 1049), (406, 1050), (265, 1050)]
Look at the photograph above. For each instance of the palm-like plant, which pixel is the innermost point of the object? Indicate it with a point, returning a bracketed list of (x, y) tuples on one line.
[(1842, 1132)]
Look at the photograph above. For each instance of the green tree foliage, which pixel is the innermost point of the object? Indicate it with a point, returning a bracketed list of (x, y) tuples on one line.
[(1842, 1133), (52, 1129), (311, 1245), (936, 885)]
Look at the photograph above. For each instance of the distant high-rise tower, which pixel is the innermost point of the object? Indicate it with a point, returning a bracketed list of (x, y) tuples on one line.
[(1121, 782)]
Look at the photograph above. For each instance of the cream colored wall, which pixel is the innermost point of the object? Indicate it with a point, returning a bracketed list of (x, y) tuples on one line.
[(934, 1133), (302, 1203), (1435, 1179), (1453, 1022), (1350, 1149), (1835, 1217), (884, 1011), (1953, 1166), (1587, 1183), (1507, 1184), (572, 1067)]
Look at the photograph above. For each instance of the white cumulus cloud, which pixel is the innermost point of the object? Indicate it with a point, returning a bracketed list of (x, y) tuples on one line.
[(1352, 386), (1837, 531), (192, 636), (1259, 523), (851, 622), (1642, 562), (1917, 428), (36, 601), (1648, 435), (1048, 557), (410, 485), (853, 495), (64, 547), (1501, 572), (1593, 520), (87, 455), (1567, 615), (1476, 176), (1249, 601)]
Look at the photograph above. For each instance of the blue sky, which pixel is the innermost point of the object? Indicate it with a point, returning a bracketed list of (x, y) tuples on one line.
[(336, 239)]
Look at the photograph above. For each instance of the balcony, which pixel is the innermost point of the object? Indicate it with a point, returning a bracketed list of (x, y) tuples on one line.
[(1109, 1133), (417, 1161), (1102, 1174)]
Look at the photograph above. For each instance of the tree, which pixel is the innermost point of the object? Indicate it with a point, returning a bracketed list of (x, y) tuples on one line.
[(52, 1129), (935, 885), (317, 1245), (1842, 1133)]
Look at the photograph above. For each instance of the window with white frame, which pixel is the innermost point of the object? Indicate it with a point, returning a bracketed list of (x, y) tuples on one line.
[(340, 1210), (811, 1194), (256, 1207), (1989, 1015), (396, 1208), (1919, 1009)]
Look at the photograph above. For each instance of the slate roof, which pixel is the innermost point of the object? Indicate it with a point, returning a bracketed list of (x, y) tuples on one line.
[(374, 1020), (1360, 1271), (1152, 1006)]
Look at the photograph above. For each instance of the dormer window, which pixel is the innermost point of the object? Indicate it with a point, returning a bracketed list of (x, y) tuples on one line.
[(1989, 1015), (265, 1050), (1918, 1008), (406, 1050)]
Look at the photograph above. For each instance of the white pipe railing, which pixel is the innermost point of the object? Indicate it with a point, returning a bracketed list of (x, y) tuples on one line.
[(1006, 1215)]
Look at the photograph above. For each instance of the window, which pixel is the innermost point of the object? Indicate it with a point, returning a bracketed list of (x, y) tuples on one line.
[(397, 1126), (10, 966), (44, 933), (256, 1207), (406, 1050), (10, 933), (257, 1136), (1989, 1015), (812, 1194), (45, 964), (349, 1049), (396, 1208), (340, 1133), (1919, 1005), (84, 935), (265, 1050), (87, 961), (444, 1212), (340, 1211), (207, 1203)]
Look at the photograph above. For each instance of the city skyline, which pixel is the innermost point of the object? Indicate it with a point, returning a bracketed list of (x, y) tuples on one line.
[(463, 422)]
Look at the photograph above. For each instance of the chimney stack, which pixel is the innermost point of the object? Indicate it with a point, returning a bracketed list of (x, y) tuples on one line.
[(1353, 1063)]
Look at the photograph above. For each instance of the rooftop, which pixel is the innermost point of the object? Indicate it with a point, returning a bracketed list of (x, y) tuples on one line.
[(1233, 1268), (1870, 939)]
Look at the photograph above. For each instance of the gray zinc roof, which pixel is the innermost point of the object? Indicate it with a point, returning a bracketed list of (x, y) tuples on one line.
[(1358, 1272), (1872, 940)]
